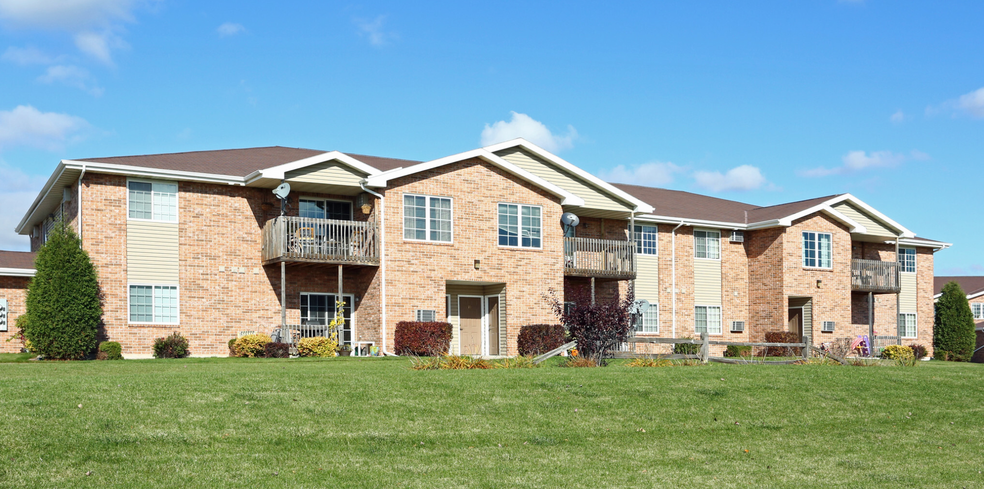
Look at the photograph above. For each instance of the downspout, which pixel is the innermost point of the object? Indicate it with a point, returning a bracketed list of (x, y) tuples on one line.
[(898, 295), (382, 260), (78, 198), (673, 238)]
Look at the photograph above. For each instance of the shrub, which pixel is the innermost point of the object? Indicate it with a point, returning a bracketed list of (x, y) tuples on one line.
[(782, 337), (734, 351), (173, 346), (251, 345), (894, 352), (318, 346), (428, 339), (919, 351), (953, 325), (649, 362), (536, 339), (578, 362), (517, 362), (598, 326), (686, 349), (232, 347), (110, 350), (63, 299), (275, 349)]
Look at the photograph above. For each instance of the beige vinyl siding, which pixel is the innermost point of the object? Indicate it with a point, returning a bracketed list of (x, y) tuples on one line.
[(873, 226), (456, 290), (907, 297), (327, 173), (647, 277), (151, 252), (707, 282), (593, 197)]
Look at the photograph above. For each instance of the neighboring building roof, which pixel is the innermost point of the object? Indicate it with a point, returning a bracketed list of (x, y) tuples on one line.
[(972, 285), (17, 263)]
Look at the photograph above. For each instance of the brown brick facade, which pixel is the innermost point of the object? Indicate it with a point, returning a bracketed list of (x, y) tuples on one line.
[(14, 289)]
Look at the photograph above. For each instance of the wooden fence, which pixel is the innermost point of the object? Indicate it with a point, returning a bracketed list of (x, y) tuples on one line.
[(704, 354)]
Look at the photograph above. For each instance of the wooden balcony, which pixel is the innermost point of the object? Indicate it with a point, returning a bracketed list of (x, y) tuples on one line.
[(601, 258), (309, 240), (876, 276)]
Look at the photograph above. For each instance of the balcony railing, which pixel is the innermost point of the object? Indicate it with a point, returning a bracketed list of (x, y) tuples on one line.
[(305, 239), (875, 276), (590, 257)]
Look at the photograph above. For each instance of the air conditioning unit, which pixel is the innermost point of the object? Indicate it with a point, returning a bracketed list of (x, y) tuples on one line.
[(737, 326), (426, 315), (737, 236), (828, 327)]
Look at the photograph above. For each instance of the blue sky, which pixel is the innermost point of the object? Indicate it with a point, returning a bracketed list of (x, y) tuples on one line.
[(761, 102)]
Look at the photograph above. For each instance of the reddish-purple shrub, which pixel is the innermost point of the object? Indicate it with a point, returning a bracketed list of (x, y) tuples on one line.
[(535, 339), (782, 337), (276, 350), (918, 350), (425, 339), (598, 328)]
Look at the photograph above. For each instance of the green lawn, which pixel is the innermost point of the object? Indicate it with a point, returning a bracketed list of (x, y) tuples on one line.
[(376, 423)]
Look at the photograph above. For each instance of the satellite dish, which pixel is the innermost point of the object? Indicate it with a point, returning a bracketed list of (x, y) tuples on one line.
[(282, 191), (569, 219), (640, 306)]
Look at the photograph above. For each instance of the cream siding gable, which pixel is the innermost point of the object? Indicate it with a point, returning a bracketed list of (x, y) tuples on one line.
[(907, 296), (327, 173), (593, 197), (707, 282), (152, 252), (873, 226)]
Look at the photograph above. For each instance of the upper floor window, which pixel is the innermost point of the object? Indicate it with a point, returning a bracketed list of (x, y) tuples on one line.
[(154, 201), (520, 225), (707, 244), (645, 238), (427, 218), (907, 259), (339, 210), (817, 249)]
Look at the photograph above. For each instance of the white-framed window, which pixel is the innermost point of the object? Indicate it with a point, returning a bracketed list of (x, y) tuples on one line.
[(817, 249), (907, 260), (426, 218), (320, 309), (645, 238), (707, 319), (4, 313), (978, 309), (154, 304), (707, 244), (650, 319), (520, 226), (340, 210), (907, 325), (152, 201)]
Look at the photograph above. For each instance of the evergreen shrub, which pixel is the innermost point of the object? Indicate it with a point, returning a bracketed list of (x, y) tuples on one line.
[(110, 350), (953, 326)]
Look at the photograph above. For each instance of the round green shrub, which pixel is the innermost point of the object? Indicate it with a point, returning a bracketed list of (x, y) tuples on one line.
[(251, 345), (173, 346), (110, 350)]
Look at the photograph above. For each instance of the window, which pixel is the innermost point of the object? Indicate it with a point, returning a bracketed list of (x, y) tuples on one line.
[(707, 244), (325, 209), (154, 304), (707, 319), (153, 201), (320, 309), (519, 225), (907, 259), (978, 310), (3, 314), (650, 319), (427, 218), (907, 325), (817, 249), (645, 238)]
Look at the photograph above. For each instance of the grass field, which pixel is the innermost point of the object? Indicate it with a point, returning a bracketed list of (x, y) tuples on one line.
[(376, 423)]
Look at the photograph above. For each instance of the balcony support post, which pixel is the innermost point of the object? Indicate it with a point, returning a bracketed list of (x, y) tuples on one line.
[(283, 295), (592, 291), (339, 282), (871, 324), (898, 295)]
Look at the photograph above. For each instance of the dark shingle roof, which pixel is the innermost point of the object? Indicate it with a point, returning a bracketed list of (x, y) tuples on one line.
[(969, 284), (383, 164), (17, 259), (782, 210)]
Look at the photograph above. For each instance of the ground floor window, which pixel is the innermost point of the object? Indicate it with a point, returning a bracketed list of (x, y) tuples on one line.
[(707, 319), (907, 325), (649, 322), (320, 309), (154, 304)]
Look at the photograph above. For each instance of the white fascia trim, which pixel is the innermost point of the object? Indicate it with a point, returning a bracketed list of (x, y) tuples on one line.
[(278, 172), (17, 272), (43, 194), (694, 222), (871, 210), (542, 153), (382, 179), (826, 208), (969, 296), (937, 245)]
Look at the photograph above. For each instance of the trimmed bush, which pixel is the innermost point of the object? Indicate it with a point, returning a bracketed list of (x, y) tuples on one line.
[(919, 351), (734, 351), (893, 352), (318, 346), (63, 299), (424, 339), (232, 347), (110, 350), (251, 345), (953, 326), (782, 337), (274, 349), (173, 346), (686, 349), (536, 339)]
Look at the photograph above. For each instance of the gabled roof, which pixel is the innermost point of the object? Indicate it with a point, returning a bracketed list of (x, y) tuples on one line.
[(972, 285), (17, 263), (239, 162), (779, 211), (686, 205)]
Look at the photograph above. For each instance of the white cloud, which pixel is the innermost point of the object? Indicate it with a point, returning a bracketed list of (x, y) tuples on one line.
[(744, 177), (17, 192), (72, 76), (919, 155), (230, 29), (898, 117), (972, 103), (99, 45), (27, 56), (653, 174), (27, 126), (373, 30), (855, 161), (524, 126)]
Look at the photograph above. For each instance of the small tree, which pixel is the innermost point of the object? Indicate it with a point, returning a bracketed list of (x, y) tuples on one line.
[(953, 325), (63, 299), (598, 328)]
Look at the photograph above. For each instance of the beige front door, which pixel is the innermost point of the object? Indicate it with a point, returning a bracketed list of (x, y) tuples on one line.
[(471, 325), (796, 320)]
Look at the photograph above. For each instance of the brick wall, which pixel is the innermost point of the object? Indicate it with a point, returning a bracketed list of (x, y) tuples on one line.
[(14, 289)]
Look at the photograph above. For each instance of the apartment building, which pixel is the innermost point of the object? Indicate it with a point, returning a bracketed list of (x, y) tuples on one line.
[(199, 243)]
